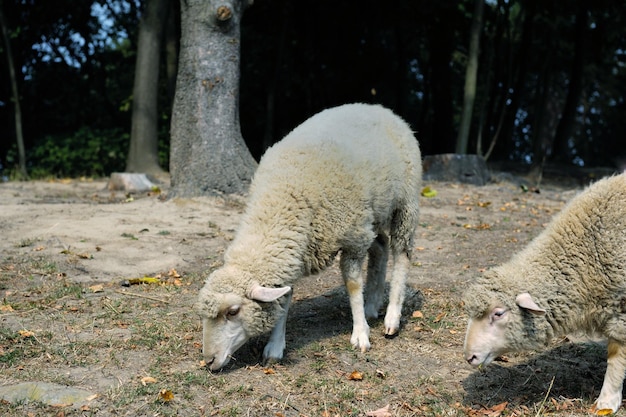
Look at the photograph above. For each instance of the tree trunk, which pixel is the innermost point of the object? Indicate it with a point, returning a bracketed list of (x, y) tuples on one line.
[(143, 155), (19, 135), (208, 154), (567, 123), (470, 78)]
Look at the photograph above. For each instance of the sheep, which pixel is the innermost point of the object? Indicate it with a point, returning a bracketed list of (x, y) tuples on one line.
[(570, 279), (346, 180)]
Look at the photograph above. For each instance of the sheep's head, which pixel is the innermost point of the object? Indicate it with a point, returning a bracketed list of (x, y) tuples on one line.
[(231, 316), (500, 322)]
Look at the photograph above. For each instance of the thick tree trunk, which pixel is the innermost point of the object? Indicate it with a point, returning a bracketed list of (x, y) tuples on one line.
[(21, 150), (208, 154), (470, 78), (143, 155)]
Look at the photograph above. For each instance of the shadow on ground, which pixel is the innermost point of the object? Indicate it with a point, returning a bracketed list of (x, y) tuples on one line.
[(572, 371)]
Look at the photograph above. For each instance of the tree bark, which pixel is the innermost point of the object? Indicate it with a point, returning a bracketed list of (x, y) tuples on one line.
[(470, 78), (208, 154), (143, 155), (19, 135)]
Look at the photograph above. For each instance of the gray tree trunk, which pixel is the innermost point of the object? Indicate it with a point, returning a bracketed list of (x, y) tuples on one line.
[(143, 155), (470, 78), (208, 154)]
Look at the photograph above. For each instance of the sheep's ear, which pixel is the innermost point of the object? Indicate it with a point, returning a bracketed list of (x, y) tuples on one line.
[(267, 294), (526, 302)]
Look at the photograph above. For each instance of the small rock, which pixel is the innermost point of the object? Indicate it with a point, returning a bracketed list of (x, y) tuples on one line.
[(469, 169), (46, 392), (130, 182)]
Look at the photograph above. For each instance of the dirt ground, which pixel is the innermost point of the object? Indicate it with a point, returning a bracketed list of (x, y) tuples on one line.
[(71, 313)]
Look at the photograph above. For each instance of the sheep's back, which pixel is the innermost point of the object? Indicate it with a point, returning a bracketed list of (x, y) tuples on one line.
[(333, 179)]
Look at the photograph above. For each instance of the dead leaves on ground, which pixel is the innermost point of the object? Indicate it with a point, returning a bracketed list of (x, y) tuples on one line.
[(172, 277)]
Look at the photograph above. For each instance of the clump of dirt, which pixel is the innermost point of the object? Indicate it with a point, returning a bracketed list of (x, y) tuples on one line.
[(65, 318)]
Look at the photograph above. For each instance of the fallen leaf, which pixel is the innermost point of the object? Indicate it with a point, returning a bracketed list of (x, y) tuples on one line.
[(604, 412), (173, 273), (484, 204), (355, 376), (380, 374), (166, 395), (428, 192), (381, 412), (439, 317), (97, 288), (268, 371), (6, 307), (148, 380), (26, 333), (144, 280), (417, 314)]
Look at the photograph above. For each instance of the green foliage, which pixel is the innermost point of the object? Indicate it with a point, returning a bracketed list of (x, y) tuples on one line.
[(87, 152)]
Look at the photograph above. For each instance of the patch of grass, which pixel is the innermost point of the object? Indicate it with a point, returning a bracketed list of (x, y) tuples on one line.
[(25, 243)]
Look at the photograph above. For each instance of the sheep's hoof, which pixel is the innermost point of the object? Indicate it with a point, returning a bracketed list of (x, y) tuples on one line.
[(391, 333)]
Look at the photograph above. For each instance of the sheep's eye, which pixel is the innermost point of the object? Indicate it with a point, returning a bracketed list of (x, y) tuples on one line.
[(497, 314), (232, 311)]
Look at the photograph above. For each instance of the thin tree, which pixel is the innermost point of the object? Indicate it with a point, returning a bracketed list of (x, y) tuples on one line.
[(470, 78), (567, 123), (208, 154), (21, 150), (143, 154)]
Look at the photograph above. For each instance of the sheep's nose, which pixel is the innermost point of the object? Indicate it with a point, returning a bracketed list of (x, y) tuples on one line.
[(471, 359), (209, 361)]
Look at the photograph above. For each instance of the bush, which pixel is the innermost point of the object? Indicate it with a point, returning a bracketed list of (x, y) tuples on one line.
[(87, 152)]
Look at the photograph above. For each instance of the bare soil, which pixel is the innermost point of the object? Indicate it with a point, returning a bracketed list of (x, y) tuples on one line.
[(70, 313)]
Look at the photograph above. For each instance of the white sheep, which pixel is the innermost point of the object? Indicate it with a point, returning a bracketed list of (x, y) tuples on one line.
[(339, 182), (570, 278)]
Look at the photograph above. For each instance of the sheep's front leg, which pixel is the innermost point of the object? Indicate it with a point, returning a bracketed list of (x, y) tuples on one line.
[(611, 393), (276, 344), (353, 278), (401, 263)]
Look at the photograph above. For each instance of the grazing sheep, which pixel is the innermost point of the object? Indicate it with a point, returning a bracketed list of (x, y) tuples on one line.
[(337, 183), (570, 278)]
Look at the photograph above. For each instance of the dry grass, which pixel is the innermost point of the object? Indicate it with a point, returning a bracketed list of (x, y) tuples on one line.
[(135, 345)]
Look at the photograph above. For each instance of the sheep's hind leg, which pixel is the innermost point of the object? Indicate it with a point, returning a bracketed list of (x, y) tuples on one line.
[(611, 393), (378, 254), (275, 346), (402, 230), (353, 278), (396, 294)]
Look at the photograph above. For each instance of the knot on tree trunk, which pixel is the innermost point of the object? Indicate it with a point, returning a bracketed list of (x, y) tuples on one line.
[(224, 14)]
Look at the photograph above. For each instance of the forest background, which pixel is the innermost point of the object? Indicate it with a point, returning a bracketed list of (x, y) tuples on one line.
[(549, 85)]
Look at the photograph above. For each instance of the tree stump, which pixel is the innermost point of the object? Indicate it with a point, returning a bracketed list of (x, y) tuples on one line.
[(469, 169)]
